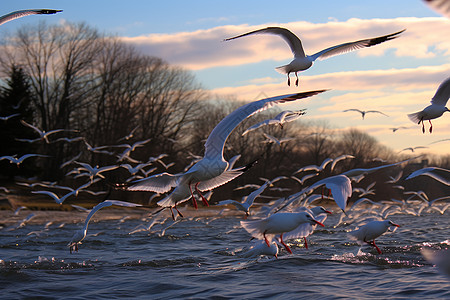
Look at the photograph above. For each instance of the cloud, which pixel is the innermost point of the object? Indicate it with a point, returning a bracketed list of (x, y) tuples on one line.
[(204, 49)]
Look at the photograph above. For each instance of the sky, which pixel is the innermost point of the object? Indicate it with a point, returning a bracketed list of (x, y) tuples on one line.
[(397, 77)]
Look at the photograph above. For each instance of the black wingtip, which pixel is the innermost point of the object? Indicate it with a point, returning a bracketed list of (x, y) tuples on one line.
[(49, 11)]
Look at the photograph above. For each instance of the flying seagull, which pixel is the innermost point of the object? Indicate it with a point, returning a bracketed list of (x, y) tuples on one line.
[(364, 112), (302, 61), (212, 170), (27, 12), (437, 107)]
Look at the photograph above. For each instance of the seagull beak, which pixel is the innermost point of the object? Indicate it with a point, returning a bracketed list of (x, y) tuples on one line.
[(396, 225), (328, 212), (318, 223)]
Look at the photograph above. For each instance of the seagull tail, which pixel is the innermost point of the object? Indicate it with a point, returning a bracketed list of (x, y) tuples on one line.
[(254, 227), (282, 69), (415, 117)]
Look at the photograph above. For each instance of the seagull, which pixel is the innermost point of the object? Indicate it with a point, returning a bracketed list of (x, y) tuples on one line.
[(304, 178), (81, 234), (440, 258), (303, 62), (324, 164), (94, 171), (306, 229), (43, 135), (72, 192), (441, 6), (438, 174), (394, 129), (130, 135), (364, 112), (130, 148), (259, 248), (22, 13), (245, 206), (14, 160), (370, 231), (211, 171), (273, 140), (340, 187), (283, 117), (437, 107), (278, 223), (412, 149)]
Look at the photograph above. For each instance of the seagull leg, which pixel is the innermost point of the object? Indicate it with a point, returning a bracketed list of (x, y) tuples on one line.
[(194, 201), (372, 243), (423, 126), (171, 211), (289, 80), (296, 81), (378, 249), (205, 202), (431, 126), (306, 243), (181, 215), (267, 241), (285, 246)]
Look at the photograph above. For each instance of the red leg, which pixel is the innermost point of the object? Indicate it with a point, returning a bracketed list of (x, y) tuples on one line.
[(306, 243), (296, 81), (289, 80), (194, 202), (205, 202), (423, 126), (267, 241), (285, 246), (431, 126), (378, 249)]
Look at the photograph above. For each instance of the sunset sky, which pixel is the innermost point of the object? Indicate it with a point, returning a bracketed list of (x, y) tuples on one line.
[(397, 77)]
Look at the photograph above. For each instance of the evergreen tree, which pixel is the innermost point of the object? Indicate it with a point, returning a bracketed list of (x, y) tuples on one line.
[(16, 99)]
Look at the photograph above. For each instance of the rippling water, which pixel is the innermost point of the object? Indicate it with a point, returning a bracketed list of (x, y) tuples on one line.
[(198, 258)]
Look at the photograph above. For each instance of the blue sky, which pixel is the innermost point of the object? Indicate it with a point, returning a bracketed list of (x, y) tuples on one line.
[(397, 77)]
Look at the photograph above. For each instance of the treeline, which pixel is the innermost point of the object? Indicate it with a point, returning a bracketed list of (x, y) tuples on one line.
[(103, 92)]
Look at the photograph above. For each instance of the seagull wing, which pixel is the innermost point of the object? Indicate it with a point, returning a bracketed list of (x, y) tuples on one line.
[(341, 189), (293, 41), (48, 193), (443, 177), (216, 141), (351, 46), (339, 158), (32, 127), (253, 195), (377, 111), (22, 13), (160, 183), (442, 93), (258, 125), (217, 181)]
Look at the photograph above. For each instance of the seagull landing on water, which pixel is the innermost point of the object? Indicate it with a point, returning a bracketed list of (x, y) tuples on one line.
[(370, 231), (278, 223), (437, 107), (81, 233), (302, 61), (27, 12)]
